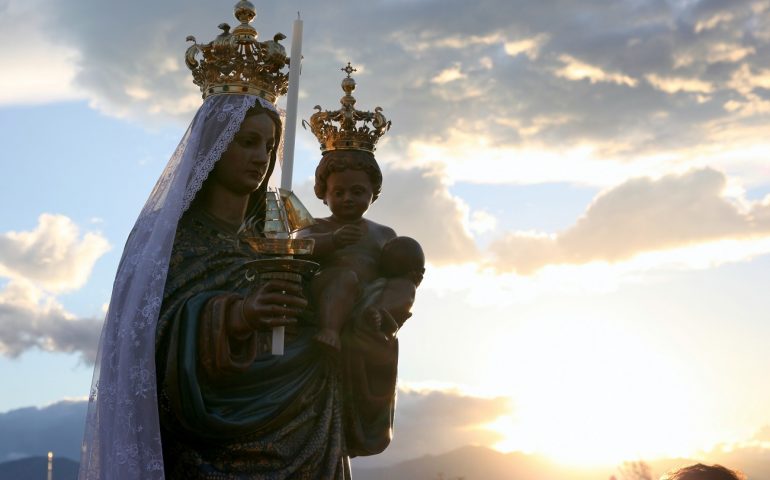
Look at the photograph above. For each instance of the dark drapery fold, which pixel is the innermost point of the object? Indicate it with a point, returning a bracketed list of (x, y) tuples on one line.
[(370, 361), (230, 409)]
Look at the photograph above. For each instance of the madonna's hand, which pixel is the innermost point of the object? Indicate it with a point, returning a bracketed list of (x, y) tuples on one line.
[(274, 303)]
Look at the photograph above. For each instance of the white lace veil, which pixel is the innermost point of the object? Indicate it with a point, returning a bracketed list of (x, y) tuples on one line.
[(122, 432)]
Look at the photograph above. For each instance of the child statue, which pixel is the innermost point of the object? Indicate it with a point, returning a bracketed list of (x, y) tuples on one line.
[(354, 252), (366, 269)]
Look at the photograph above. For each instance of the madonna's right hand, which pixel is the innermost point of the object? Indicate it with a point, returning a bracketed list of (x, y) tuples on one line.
[(274, 303)]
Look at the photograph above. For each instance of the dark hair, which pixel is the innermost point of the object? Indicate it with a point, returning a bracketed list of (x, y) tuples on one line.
[(700, 471), (341, 160)]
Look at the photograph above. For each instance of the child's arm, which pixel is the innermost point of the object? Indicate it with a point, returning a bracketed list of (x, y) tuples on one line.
[(328, 241)]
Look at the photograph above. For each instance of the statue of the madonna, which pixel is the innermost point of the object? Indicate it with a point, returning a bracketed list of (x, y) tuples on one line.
[(185, 386)]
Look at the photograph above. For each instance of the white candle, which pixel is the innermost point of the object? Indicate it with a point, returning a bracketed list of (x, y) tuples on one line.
[(278, 335), (287, 168)]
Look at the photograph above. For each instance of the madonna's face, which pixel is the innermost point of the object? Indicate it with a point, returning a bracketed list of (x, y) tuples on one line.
[(243, 166)]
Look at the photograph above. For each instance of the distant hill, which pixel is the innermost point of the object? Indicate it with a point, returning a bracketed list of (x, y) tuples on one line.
[(36, 468), (32, 432), (466, 463), (479, 463), (469, 463)]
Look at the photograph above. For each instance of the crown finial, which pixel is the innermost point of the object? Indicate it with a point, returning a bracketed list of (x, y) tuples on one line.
[(349, 69), (347, 128), (235, 62), (245, 13)]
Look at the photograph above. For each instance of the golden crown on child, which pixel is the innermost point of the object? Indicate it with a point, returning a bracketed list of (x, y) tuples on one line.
[(236, 62), (347, 128)]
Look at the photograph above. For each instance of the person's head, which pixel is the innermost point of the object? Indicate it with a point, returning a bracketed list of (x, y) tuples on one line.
[(703, 472), (348, 181), (403, 256), (249, 160)]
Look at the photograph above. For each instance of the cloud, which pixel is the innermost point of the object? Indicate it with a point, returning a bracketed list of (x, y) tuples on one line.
[(419, 205), (467, 153), (22, 80), (449, 75), (415, 203), (528, 46), (574, 69), (427, 421), (52, 255), (713, 21), (626, 230), (749, 457), (482, 222), (488, 59), (436, 421), (679, 84), (30, 319), (640, 215), (51, 259), (425, 41), (763, 434)]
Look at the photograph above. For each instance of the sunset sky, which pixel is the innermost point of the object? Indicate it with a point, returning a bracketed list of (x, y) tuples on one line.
[(590, 181)]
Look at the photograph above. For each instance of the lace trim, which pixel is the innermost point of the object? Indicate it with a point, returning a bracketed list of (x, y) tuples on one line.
[(205, 164), (122, 437)]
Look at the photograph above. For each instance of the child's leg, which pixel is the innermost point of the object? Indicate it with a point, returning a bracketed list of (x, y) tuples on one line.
[(335, 291)]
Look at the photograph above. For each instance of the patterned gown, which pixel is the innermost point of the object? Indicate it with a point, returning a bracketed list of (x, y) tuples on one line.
[(231, 410)]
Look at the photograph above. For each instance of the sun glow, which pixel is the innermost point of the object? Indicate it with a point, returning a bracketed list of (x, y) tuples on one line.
[(473, 157), (596, 395), (592, 380)]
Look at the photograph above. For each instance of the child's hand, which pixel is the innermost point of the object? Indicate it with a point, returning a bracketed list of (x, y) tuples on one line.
[(381, 321), (347, 235)]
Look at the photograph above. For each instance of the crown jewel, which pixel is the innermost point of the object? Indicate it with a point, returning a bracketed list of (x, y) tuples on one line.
[(340, 130), (235, 62)]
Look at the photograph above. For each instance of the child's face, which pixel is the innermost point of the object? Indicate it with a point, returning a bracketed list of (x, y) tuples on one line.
[(348, 194)]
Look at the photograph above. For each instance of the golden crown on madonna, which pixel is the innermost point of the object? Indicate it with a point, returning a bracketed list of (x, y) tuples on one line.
[(236, 62), (347, 128)]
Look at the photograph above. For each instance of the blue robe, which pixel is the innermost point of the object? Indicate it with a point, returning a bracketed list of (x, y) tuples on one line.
[(231, 410)]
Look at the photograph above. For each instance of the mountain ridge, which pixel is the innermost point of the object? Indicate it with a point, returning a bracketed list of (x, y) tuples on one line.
[(463, 463), (36, 468)]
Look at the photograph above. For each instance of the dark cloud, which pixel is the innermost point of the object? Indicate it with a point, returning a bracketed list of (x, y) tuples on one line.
[(420, 206), (25, 324), (637, 216), (430, 422), (415, 203), (404, 45), (426, 422), (52, 258)]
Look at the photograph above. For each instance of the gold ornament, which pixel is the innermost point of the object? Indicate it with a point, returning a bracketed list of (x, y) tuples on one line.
[(340, 130), (235, 62)]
